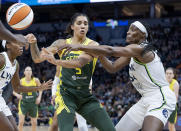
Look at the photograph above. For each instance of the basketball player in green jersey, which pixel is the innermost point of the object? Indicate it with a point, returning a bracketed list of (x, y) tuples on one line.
[(174, 86), (28, 103), (81, 122), (76, 73)]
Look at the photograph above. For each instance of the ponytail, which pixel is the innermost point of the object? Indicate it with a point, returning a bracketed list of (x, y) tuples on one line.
[(150, 44)]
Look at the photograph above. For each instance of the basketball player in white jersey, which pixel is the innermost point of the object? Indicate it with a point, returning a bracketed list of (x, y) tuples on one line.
[(7, 35), (81, 122), (9, 72), (147, 74)]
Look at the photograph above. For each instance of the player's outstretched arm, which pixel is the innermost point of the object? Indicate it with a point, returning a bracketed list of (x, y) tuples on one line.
[(104, 50), (5, 34), (36, 54), (17, 87), (115, 66), (79, 62)]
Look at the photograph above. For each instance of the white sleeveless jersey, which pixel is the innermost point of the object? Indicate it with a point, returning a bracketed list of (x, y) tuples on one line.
[(7, 72), (147, 77)]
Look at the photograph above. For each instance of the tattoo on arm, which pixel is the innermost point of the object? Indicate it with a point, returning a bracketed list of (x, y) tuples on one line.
[(54, 44), (35, 53)]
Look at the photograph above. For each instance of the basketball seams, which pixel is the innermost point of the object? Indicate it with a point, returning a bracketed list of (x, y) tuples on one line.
[(14, 21), (20, 25), (19, 16), (9, 17)]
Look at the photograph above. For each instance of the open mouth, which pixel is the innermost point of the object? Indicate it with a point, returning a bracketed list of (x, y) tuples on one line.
[(82, 31)]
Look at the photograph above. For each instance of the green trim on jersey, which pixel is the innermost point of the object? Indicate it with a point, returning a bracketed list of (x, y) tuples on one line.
[(160, 87)]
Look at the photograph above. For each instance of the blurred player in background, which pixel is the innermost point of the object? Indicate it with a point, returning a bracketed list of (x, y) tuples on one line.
[(28, 102), (174, 86)]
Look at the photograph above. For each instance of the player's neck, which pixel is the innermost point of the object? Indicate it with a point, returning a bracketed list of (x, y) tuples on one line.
[(78, 40), (11, 57), (28, 79), (169, 81), (141, 40)]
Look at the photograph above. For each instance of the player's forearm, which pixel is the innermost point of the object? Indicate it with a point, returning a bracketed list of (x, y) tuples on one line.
[(98, 50), (69, 63), (40, 95), (35, 53), (107, 64), (6, 34), (25, 89)]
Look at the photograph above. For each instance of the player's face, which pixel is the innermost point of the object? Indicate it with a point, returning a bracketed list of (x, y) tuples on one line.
[(80, 26), (134, 35), (28, 71), (16, 50), (169, 74)]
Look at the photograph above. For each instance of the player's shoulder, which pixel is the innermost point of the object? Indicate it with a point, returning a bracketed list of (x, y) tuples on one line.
[(36, 79), (22, 79), (58, 42), (175, 82), (93, 42)]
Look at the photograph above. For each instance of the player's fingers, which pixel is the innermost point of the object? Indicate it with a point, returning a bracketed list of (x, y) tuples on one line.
[(63, 47)]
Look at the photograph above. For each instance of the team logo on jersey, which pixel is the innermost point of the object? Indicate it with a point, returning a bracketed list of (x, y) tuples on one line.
[(79, 77), (74, 77), (165, 113)]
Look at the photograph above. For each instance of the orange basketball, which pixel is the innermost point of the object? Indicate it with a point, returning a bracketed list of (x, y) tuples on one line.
[(19, 16)]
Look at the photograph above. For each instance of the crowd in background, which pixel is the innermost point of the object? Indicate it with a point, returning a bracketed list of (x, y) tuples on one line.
[(114, 91)]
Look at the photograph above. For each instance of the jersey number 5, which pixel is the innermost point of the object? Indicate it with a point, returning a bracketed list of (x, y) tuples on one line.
[(78, 71)]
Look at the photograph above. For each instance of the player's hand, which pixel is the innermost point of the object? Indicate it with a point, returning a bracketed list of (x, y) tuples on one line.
[(49, 56), (46, 85), (31, 38), (21, 40), (69, 48)]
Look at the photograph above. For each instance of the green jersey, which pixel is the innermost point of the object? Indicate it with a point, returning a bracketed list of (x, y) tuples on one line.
[(77, 77), (29, 97)]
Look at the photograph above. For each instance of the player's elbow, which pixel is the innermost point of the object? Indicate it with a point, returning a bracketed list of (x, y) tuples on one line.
[(36, 60)]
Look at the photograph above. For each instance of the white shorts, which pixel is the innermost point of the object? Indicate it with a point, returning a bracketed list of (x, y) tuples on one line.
[(152, 104), (4, 108), (80, 120)]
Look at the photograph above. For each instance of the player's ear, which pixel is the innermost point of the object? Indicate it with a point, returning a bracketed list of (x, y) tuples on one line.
[(72, 27)]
